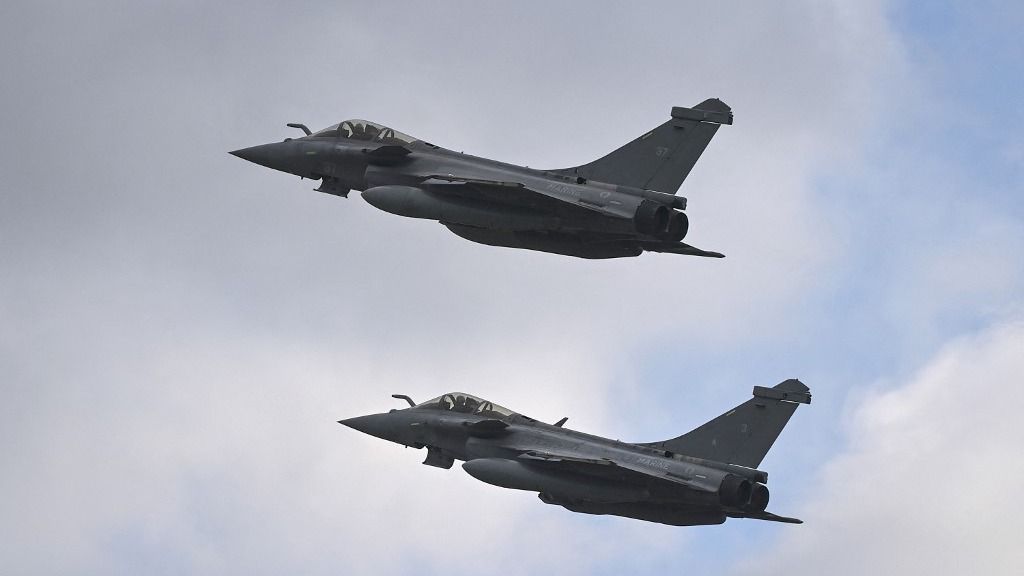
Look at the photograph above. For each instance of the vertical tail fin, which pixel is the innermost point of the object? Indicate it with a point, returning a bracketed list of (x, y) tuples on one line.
[(744, 434), (662, 158)]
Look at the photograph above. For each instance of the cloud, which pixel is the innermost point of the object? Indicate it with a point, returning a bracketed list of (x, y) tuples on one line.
[(179, 331), (928, 481), (217, 456)]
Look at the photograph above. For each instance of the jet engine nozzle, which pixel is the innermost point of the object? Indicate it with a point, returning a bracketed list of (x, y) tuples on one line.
[(759, 498), (735, 491), (651, 217), (678, 225)]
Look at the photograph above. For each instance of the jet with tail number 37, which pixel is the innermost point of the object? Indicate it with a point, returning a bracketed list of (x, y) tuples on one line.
[(701, 477), (622, 204)]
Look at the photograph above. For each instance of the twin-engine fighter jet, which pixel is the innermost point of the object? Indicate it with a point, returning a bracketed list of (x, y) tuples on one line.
[(620, 205), (701, 477)]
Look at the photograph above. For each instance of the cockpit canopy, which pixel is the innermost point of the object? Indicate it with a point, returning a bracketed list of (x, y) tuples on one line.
[(363, 130), (466, 404)]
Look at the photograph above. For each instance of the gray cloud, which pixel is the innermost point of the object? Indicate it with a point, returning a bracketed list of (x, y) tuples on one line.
[(179, 330)]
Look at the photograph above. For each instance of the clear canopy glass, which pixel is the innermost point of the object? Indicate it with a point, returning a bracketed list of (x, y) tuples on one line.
[(364, 130), (467, 404)]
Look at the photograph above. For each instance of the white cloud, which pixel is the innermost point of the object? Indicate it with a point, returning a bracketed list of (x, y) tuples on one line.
[(183, 329), (929, 481)]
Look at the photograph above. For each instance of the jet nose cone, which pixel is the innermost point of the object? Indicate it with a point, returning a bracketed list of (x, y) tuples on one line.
[(292, 156), (255, 154), (374, 425)]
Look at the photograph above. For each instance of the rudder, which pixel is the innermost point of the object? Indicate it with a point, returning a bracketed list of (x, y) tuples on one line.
[(744, 434)]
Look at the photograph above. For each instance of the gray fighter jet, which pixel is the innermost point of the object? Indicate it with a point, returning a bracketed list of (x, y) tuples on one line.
[(701, 477), (620, 205)]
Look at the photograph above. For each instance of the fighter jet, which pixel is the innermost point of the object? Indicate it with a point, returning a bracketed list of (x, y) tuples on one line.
[(701, 477), (619, 205)]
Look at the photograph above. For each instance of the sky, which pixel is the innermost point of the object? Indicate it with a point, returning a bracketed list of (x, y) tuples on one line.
[(180, 330)]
